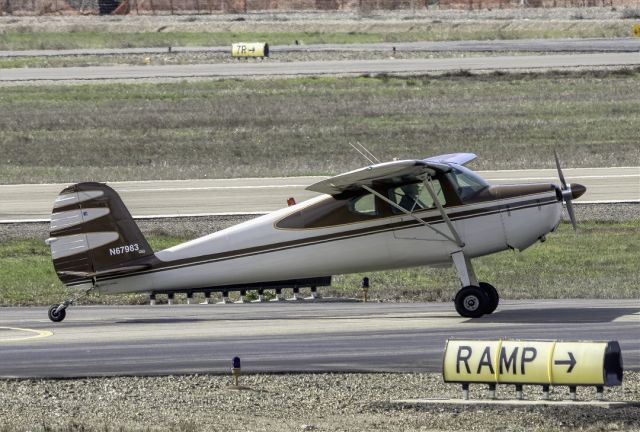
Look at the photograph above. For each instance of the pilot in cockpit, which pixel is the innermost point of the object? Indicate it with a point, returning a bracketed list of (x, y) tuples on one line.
[(409, 197)]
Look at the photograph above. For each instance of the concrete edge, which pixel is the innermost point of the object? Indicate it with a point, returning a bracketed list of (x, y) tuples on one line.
[(518, 402)]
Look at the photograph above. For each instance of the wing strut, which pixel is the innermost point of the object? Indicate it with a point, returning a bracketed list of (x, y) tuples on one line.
[(408, 213), (444, 215)]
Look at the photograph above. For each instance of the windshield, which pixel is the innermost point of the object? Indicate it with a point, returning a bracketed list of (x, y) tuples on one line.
[(466, 183)]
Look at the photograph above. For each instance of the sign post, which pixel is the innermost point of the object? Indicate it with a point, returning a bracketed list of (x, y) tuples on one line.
[(365, 289), (235, 370)]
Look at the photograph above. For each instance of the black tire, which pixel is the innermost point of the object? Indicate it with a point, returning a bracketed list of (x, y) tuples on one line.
[(56, 316), (492, 293), (471, 302)]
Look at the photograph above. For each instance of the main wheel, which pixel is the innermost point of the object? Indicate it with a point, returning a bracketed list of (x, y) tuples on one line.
[(492, 293), (56, 316), (471, 302)]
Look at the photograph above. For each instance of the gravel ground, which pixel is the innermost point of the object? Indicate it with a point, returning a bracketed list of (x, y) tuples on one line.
[(311, 21), (300, 402), (195, 227)]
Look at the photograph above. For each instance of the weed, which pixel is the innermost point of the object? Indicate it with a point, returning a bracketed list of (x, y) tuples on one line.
[(232, 128)]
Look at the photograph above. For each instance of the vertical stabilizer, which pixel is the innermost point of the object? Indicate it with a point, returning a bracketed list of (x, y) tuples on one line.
[(92, 232)]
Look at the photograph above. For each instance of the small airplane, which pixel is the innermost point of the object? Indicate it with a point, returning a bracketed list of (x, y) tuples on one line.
[(390, 215)]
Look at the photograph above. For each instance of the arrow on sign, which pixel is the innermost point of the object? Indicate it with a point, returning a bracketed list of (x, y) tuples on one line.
[(571, 362)]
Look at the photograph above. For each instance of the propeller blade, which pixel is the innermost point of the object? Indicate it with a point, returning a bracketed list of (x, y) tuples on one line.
[(569, 192), (572, 215), (564, 183)]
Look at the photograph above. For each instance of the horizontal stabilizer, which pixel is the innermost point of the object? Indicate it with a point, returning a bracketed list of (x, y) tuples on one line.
[(109, 272)]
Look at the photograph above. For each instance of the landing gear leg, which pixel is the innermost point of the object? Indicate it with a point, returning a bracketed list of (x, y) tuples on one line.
[(465, 270), (471, 301), (58, 312)]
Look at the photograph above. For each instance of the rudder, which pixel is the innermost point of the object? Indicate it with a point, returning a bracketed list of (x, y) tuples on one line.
[(92, 232)]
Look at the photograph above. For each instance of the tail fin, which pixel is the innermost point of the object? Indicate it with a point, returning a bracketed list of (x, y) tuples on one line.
[(93, 233)]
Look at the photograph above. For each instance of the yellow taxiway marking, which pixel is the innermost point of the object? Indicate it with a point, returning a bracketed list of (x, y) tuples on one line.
[(634, 317), (34, 334)]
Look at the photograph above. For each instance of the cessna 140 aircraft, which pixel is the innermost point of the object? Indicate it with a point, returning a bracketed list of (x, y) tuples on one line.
[(387, 215)]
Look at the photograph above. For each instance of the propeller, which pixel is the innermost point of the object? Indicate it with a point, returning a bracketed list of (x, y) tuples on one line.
[(569, 192)]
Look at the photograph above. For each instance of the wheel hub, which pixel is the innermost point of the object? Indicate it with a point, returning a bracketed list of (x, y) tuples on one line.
[(471, 303)]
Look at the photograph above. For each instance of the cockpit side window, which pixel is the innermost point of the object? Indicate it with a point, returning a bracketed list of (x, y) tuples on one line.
[(466, 183), (415, 196), (364, 205), (331, 211)]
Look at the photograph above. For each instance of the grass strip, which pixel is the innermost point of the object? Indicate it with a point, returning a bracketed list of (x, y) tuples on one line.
[(600, 262), (23, 39), (303, 126), (92, 39)]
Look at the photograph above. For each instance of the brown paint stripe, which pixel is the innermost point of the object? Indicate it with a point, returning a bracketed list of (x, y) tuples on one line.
[(241, 253)]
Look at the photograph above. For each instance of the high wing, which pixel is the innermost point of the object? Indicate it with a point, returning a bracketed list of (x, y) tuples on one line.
[(399, 172), (455, 158), (395, 172)]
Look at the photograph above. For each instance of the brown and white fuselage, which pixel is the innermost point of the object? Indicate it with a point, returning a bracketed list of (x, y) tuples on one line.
[(246, 252), (382, 217)]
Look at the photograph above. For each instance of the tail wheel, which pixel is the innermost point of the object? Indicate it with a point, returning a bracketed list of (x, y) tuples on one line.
[(471, 302), (55, 315), (492, 293)]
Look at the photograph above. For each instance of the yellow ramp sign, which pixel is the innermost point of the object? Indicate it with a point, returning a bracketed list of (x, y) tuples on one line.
[(636, 30), (250, 49), (533, 362)]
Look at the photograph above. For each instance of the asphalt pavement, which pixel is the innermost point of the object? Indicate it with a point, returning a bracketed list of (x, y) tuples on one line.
[(252, 68), (288, 336)]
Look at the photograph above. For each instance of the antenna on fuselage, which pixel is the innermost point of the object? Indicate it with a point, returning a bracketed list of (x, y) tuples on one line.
[(365, 153)]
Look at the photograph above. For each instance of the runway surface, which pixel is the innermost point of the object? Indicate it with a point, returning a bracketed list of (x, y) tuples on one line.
[(313, 68), (261, 195), (516, 45), (288, 336)]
